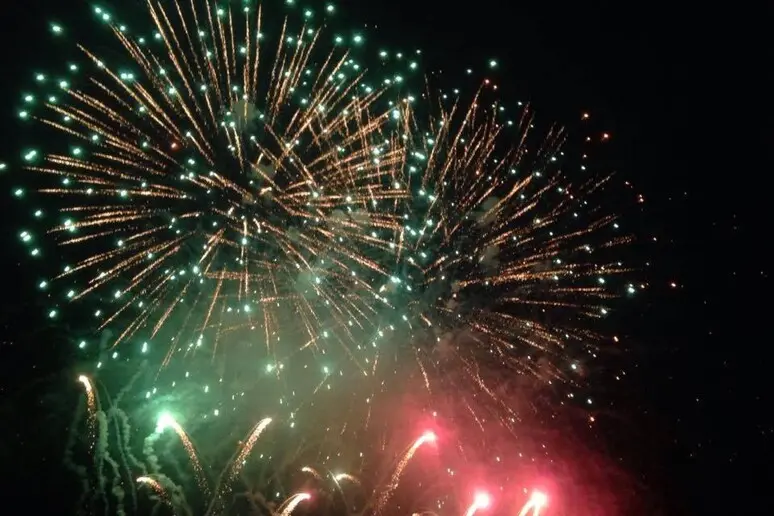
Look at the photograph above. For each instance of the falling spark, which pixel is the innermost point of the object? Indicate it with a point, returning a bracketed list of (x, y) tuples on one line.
[(91, 400), (427, 437), (312, 471), (346, 476), (247, 447), (153, 484), (91, 407), (291, 503), (167, 421)]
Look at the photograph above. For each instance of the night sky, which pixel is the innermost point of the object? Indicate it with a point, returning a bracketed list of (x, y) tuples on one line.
[(682, 93)]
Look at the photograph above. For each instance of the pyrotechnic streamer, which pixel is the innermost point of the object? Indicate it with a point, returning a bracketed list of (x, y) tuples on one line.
[(384, 496), (537, 501), (91, 400), (247, 447), (289, 505), (237, 461), (170, 495), (269, 478), (167, 421), (337, 481), (153, 484), (312, 471), (91, 408), (346, 476)]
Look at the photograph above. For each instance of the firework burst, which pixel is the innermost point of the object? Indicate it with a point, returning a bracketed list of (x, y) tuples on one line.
[(228, 176), (245, 186), (245, 178)]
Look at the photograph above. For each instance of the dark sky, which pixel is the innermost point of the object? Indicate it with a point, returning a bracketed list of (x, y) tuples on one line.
[(683, 91)]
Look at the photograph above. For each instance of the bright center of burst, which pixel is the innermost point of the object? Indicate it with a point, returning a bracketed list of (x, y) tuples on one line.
[(165, 421), (482, 500), (539, 499), (429, 436)]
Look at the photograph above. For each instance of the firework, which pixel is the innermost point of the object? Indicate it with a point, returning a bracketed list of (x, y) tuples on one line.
[(292, 502), (237, 177), (535, 504), (91, 398), (228, 175), (150, 467), (427, 437), (481, 501), (272, 214), (427, 473), (167, 421)]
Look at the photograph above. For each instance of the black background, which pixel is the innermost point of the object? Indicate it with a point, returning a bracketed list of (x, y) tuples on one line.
[(683, 93)]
